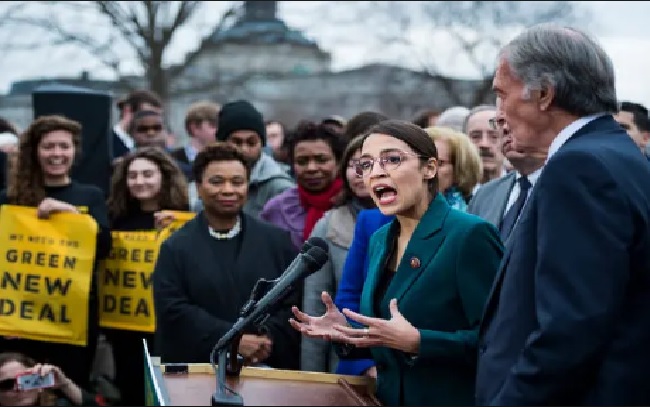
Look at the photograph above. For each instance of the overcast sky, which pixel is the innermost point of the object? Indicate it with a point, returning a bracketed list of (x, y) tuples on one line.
[(621, 27)]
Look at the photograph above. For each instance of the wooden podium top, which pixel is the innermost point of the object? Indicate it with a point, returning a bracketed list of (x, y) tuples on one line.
[(194, 384)]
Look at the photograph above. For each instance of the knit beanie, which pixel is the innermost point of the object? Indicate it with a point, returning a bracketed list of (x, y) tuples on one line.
[(240, 115)]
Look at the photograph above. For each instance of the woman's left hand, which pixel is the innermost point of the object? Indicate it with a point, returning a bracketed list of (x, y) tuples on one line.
[(62, 382), (60, 379), (396, 333)]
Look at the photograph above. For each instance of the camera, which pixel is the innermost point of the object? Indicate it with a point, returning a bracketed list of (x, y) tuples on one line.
[(30, 381)]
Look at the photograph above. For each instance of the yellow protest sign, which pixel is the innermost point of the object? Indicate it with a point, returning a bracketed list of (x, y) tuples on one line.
[(46, 267), (125, 279), (180, 218)]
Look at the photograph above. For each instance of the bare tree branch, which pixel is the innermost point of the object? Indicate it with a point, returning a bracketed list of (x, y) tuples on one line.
[(475, 29), (141, 29)]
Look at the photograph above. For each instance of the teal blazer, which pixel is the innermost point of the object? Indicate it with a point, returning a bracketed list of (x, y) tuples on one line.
[(441, 286)]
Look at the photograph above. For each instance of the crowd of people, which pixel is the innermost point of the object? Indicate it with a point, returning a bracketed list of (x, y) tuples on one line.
[(485, 255)]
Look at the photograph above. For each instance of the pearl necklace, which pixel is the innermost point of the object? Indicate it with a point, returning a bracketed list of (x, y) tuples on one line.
[(228, 235)]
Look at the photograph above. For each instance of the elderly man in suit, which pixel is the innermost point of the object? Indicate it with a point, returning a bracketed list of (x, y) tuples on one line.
[(567, 320), (501, 200)]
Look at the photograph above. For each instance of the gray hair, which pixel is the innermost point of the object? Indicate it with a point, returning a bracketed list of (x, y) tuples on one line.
[(454, 118), (570, 61), (477, 109)]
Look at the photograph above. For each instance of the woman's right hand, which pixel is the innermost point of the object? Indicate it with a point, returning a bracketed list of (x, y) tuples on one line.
[(49, 206), (162, 219), (319, 327)]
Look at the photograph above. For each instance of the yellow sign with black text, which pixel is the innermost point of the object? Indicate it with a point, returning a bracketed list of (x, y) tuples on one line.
[(46, 269), (126, 277), (125, 280)]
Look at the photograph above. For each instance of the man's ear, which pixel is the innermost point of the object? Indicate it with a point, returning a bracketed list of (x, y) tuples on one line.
[(546, 96)]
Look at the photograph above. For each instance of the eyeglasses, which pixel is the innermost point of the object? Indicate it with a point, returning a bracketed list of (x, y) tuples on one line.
[(146, 129), (7, 385), (387, 161), (497, 123)]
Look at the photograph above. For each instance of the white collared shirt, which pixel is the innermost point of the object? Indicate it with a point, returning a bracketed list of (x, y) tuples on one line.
[(190, 152), (516, 189), (126, 139), (568, 132)]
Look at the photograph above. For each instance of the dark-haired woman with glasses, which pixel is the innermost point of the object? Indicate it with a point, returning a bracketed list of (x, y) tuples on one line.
[(429, 274)]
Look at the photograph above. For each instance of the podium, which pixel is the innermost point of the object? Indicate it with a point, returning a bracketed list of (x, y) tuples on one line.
[(193, 385)]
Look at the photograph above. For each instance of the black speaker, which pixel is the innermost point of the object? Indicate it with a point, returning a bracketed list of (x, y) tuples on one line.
[(92, 109)]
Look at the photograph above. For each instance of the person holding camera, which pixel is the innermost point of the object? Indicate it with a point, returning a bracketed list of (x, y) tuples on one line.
[(58, 390)]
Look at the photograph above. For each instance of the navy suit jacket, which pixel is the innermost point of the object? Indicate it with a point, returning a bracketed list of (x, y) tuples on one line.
[(119, 149), (568, 318)]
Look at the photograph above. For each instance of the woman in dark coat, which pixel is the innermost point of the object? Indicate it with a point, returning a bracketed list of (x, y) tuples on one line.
[(207, 269)]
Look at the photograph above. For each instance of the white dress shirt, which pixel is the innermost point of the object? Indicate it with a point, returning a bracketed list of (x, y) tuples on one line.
[(190, 152), (559, 140), (516, 189), (568, 132), (124, 136)]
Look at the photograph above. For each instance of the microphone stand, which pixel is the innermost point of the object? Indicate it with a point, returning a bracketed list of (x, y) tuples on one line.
[(231, 366), (224, 396)]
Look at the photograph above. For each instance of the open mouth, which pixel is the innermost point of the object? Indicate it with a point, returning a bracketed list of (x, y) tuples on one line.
[(385, 194), (53, 162)]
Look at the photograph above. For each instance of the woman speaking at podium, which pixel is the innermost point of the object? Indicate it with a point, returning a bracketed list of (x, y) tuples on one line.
[(429, 275)]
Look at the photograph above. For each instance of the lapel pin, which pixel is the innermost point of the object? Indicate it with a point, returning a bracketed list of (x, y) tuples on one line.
[(415, 263)]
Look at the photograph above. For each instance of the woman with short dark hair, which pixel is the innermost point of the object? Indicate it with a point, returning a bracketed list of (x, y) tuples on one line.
[(315, 151), (207, 269)]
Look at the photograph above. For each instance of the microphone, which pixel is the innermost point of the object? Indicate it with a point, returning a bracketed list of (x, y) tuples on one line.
[(262, 286), (306, 263), (302, 266)]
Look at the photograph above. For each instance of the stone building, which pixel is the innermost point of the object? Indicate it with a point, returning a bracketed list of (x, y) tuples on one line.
[(282, 72)]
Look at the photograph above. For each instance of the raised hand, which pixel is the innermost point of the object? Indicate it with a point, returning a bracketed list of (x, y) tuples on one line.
[(67, 386), (60, 380), (319, 327), (395, 333)]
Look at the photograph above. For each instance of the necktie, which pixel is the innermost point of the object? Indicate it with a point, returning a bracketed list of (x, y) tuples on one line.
[(512, 215)]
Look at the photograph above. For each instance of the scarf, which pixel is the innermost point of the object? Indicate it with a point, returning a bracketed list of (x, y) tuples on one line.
[(317, 204), (455, 199)]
